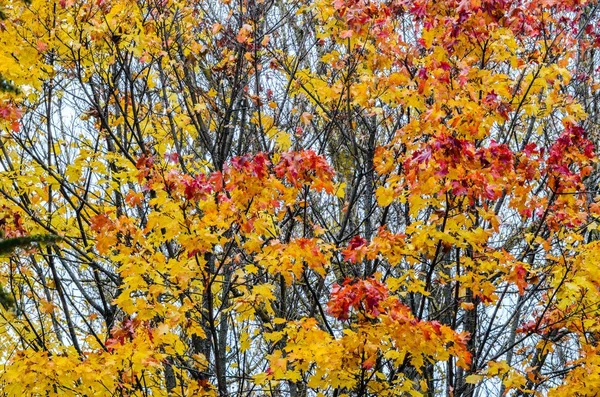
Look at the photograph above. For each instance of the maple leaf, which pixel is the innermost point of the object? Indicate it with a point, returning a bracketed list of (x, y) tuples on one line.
[(101, 222), (355, 250), (419, 9), (518, 276)]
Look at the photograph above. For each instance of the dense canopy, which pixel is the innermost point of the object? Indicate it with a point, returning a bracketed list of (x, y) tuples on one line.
[(299, 198)]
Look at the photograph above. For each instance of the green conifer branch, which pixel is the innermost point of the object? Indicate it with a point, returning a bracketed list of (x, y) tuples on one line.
[(8, 245)]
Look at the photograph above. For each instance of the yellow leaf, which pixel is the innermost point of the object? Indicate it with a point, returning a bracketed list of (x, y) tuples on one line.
[(473, 379), (384, 195), (340, 191), (283, 141)]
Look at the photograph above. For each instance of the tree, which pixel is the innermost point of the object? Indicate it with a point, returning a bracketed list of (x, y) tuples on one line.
[(300, 198)]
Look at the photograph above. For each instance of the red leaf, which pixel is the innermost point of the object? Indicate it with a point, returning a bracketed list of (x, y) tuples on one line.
[(363, 295)]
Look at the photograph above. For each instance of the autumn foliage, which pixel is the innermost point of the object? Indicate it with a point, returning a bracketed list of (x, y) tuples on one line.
[(300, 198)]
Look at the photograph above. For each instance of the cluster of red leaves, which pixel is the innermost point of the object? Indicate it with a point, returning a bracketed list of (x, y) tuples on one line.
[(469, 171), (202, 185), (363, 295), (122, 334), (253, 165), (11, 114), (469, 18), (569, 158), (497, 157), (400, 314), (297, 168), (371, 298), (356, 249), (475, 19), (364, 14), (306, 167)]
